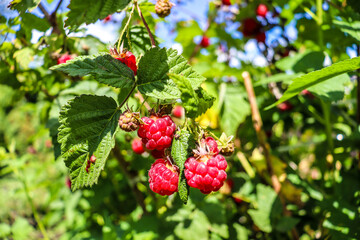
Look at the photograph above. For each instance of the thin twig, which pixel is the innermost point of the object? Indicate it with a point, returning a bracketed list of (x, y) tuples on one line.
[(258, 125), (131, 178), (44, 11), (127, 97), (142, 100), (153, 43), (57, 7)]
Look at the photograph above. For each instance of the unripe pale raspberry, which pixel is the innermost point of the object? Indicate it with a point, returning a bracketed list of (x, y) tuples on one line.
[(128, 121), (163, 177), (228, 150), (157, 132), (206, 173), (163, 8)]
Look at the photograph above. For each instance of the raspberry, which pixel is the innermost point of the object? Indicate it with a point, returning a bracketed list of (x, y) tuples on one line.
[(205, 42), (261, 10), (250, 27), (228, 150), (107, 19), (285, 106), (157, 153), (68, 182), (129, 60), (64, 58), (157, 132), (128, 121), (212, 145), (137, 146), (92, 159), (163, 177), (307, 93), (261, 37), (206, 173), (163, 8), (226, 2), (178, 111)]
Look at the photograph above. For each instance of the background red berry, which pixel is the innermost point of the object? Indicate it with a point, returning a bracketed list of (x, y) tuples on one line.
[(261, 37), (163, 177), (226, 2), (178, 111), (137, 146), (205, 42), (64, 58), (261, 10), (157, 132), (107, 19), (285, 106), (250, 27)]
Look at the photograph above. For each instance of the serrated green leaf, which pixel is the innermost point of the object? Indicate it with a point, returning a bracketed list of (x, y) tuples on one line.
[(180, 150), (92, 10), (87, 127), (233, 114), (194, 102), (316, 77), (280, 77), (22, 5), (153, 79), (103, 67), (24, 56)]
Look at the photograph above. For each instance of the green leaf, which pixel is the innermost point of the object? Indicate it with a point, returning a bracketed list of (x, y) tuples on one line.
[(103, 67), (194, 102), (351, 28), (140, 40), (22, 5), (286, 224), (197, 229), (154, 66), (331, 90), (280, 77), (241, 232), (268, 203), (34, 22), (87, 127), (235, 108), (92, 10), (24, 56), (316, 77), (180, 150), (302, 62)]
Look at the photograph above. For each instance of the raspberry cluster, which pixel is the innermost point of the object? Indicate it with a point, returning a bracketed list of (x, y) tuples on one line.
[(206, 169), (157, 132)]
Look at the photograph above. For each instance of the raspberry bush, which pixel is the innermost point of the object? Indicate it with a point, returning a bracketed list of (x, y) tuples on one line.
[(171, 119)]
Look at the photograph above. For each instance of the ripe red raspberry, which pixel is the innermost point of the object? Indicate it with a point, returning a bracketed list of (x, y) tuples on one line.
[(137, 146), (107, 19), (64, 58), (261, 10), (205, 42), (212, 145), (157, 132), (178, 111), (285, 106), (129, 60), (226, 2), (250, 27), (261, 37), (206, 173), (307, 93), (163, 177)]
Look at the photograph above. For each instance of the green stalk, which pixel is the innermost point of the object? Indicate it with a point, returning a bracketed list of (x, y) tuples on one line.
[(325, 106), (125, 28)]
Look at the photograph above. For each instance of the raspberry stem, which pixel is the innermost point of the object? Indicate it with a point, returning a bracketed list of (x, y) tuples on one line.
[(153, 44), (125, 27), (127, 97)]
